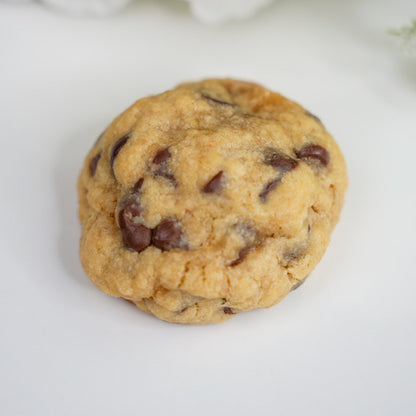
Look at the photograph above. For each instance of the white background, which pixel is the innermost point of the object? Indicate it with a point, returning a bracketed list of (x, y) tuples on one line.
[(343, 344)]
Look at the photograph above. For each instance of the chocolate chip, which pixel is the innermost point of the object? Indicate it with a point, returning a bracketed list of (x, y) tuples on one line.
[(314, 152), (168, 235), (138, 185), (251, 237), (269, 187), (295, 253), (249, 233), (169, 177), (228, 311), (130, 203), (132, 208), (241, 256), (161, 156), (280, 161), (183, 309), (215, 184), (161, 163), (309, 114), (116, 149), (135, 236), (216, 100), (94, 163)]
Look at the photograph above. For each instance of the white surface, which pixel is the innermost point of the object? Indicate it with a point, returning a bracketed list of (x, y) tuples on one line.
[(343, 344), (216, 11)]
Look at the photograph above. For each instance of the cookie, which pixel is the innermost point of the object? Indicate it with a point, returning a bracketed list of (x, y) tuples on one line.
[(209, 200)]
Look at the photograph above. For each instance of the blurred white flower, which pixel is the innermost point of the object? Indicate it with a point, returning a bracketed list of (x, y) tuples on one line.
[(210, 11), (93, 7)]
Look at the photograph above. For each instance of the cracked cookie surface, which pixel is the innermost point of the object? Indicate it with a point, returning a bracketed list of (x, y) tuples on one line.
[(208, 200)]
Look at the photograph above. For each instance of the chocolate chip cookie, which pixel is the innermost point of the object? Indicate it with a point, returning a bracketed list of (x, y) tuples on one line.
[(209, 200)]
